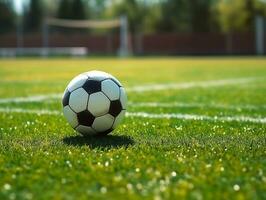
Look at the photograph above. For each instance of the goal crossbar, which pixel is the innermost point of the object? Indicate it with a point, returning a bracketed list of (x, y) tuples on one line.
[(83, 23)]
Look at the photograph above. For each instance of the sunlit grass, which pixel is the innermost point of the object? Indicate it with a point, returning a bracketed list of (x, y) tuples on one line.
[(41, 157)]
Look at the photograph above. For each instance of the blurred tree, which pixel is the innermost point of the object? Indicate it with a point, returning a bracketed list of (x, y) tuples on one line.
[(65, 10), (33, 16), (78, 10), (99, 7), (250, 6), (72, 9), (7, 16), (233, 15), (153, 16), (186, 16), (200, 15), (175, 16), (134, 12), (260, 7)]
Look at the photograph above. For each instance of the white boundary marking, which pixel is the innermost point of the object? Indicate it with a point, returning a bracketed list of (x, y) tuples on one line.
[(147, 87), (30, 111), (153, 116), (187, 85), (35, 98), (199, 117), (196, 105)]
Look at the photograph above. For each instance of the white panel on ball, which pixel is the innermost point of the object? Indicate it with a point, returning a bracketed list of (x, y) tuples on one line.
[(98, 104), (111, 89), (85, 130), (123, 98), (119, 118), (78, 100), (77, 82), (97, 75), (103, 123), (70, 116), (117, 81)]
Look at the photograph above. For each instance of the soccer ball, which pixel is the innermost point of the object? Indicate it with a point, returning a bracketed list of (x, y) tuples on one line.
[(94, 103)]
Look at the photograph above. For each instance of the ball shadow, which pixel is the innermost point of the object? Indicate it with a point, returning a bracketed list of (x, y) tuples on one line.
[(105, 142)]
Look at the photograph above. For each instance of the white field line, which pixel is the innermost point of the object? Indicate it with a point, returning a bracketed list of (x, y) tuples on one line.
[(187, 85), (196, 105), (199, 117), (153, 116), (149, 87), (30, 111), (35, 98)]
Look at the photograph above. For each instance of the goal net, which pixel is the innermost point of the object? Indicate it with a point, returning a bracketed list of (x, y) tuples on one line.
[(120, 23)]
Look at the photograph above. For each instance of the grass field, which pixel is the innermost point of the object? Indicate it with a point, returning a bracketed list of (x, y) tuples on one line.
[(195, 129)]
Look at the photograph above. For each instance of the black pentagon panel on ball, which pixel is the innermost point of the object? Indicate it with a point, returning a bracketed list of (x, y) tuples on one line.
[(92, 86), (115, 108), (85, 118), (65, 100)]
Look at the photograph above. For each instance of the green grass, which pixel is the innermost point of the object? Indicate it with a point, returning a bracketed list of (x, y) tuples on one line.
[(41, 157)]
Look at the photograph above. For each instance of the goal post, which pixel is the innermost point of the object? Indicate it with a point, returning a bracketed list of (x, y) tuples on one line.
[(121, 23), (260, 34)]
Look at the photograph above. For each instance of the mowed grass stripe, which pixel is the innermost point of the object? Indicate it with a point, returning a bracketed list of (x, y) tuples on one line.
[(153, 116)]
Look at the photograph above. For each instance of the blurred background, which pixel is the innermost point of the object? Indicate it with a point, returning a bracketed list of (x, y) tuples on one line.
[(132, 27)]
